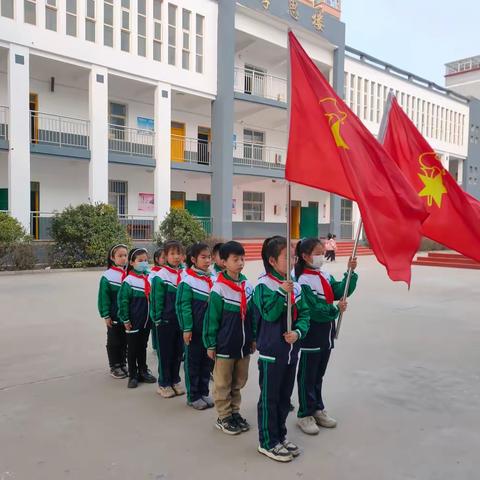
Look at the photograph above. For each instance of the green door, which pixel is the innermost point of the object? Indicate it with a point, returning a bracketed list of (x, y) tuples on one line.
[(3, 198), (198, 208), (309, 222)]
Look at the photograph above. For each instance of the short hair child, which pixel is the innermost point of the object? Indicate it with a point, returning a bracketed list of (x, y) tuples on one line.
[(217, 268), (110, 283), (191, 304), (229, 336), (320, 290), (133, 303), (163, 314), (278, 348)]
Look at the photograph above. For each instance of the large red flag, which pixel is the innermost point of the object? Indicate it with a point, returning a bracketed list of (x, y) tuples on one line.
[(454, 218), (329, 148)]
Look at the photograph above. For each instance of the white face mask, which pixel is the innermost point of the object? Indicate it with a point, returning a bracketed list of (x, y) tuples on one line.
[(318, 261)]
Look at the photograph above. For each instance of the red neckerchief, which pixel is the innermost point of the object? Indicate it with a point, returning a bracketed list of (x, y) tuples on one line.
[(205, 278), (119, 270), (156, 268), (236, 288), (327, 288), (146, 283), (292, 295), (178, 272)]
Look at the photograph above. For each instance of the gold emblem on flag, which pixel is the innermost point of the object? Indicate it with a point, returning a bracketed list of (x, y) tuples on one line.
[(434, 189), (266, 4), (293, 8), (318, 21), (336, 118)]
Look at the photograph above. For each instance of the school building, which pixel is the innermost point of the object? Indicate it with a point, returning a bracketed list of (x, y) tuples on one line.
[(156, 104)]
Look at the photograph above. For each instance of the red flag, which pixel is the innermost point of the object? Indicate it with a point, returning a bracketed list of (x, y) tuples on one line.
[(329, 148), (454, 218)]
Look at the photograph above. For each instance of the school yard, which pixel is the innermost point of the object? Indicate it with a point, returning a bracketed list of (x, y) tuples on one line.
[(403, 383)]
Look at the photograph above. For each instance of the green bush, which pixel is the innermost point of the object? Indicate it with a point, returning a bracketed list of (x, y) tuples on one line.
[(84, 234), (15, 245), (23, 256), (11, 229), (180, 225)]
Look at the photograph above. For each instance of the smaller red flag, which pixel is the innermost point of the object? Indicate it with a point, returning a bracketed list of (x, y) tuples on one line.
[(454, 219)]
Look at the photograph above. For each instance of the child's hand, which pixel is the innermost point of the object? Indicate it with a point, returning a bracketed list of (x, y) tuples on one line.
[(253, 349), (352, 263), (108, 322), (128, 326), (287, 286), (342, 305), (211, 354), (187, 337), (290, 337)]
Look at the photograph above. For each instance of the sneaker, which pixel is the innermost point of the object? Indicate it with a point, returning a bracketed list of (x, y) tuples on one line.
[(209, 401), (324, 420), (198, 404), (147, 377), (308, 425), (278, 453), (124, 369), (178, 389), (117, 373), (291, 447), (166, 392), (132, 382), (241, 422), (228, 425)]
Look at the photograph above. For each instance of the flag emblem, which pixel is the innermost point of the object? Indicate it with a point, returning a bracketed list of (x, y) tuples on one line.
[(432, 178), (336, 118)]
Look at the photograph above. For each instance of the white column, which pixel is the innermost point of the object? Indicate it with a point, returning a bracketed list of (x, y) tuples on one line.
[(19, 135), (460, 170), (98, 108), (162, 176), (356, 217)]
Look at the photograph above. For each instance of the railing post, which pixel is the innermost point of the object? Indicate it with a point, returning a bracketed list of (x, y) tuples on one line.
[(59, 131)]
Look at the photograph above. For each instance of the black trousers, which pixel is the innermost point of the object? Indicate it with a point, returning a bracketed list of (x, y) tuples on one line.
[(330, 255), (137, 352), (169, 353), (276, 386), (116, 345), (198, 368), (312, 368)]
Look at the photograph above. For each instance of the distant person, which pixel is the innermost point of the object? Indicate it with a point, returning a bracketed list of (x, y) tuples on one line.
[(217, 267), (158, 263), (330, 247)]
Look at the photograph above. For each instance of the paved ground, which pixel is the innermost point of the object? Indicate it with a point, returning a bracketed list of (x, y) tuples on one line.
[(403, 383)]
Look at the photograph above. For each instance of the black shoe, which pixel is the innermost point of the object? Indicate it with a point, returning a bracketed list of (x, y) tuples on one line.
[(228, 425), (124, 369), (132, 382), (117, 373), (146, 377), (241, 422)]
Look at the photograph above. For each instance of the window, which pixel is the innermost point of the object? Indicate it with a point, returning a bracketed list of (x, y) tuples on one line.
[(253, 206), (254, 82), (142, 28), (51, 15), (71, 26), (379, 102), (172, 34), (90, 21), (359, 96), (118, 196), (157, 30), (365, 98), (6, 8), (186, 39), (125, 31), (199, 26), (108, 23), (253, 145), (352, 91), (30, 11), (118, 114), (372, 100)]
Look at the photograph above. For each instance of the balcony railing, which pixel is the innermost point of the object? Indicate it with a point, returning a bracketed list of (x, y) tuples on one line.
[(258, 155), (190, 150), (41, 225), (130, 141), (346, 230), (60, 131), (3, 123), (253, 82), (139, 227), (206, 223)]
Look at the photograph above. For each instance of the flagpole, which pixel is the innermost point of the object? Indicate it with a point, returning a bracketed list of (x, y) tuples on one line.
[(289, 199), (380, 137)]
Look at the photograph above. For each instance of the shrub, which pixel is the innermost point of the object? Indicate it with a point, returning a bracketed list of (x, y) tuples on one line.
[(15, 245), (23, 256), (84, 234), (180, 225), (11, 229)]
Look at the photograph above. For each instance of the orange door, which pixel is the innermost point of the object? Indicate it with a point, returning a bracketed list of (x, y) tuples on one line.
[(178, 142), (295, 218)]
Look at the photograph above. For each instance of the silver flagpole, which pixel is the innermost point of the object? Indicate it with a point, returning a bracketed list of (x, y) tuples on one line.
[(289, 197), (380, 137)]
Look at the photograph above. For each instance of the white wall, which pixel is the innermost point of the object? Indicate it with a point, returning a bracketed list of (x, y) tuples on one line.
[(191, 183)]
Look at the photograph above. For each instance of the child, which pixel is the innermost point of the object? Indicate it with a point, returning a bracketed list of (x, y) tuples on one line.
[(228, 334), (192, 301), (159, 262), (133, 305), (217, 261), (164, 317), (107, 307), (328, 248), (319, 290), (278, 349)]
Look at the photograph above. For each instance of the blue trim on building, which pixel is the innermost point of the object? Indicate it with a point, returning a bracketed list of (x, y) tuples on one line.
[(69, 152), (245, 97), (259, 172), (125, 159)]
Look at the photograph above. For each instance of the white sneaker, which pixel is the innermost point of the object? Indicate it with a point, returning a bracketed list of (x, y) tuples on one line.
[(308, 425), (324, 420), (166, 392), (178, 389), (278, 453)]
